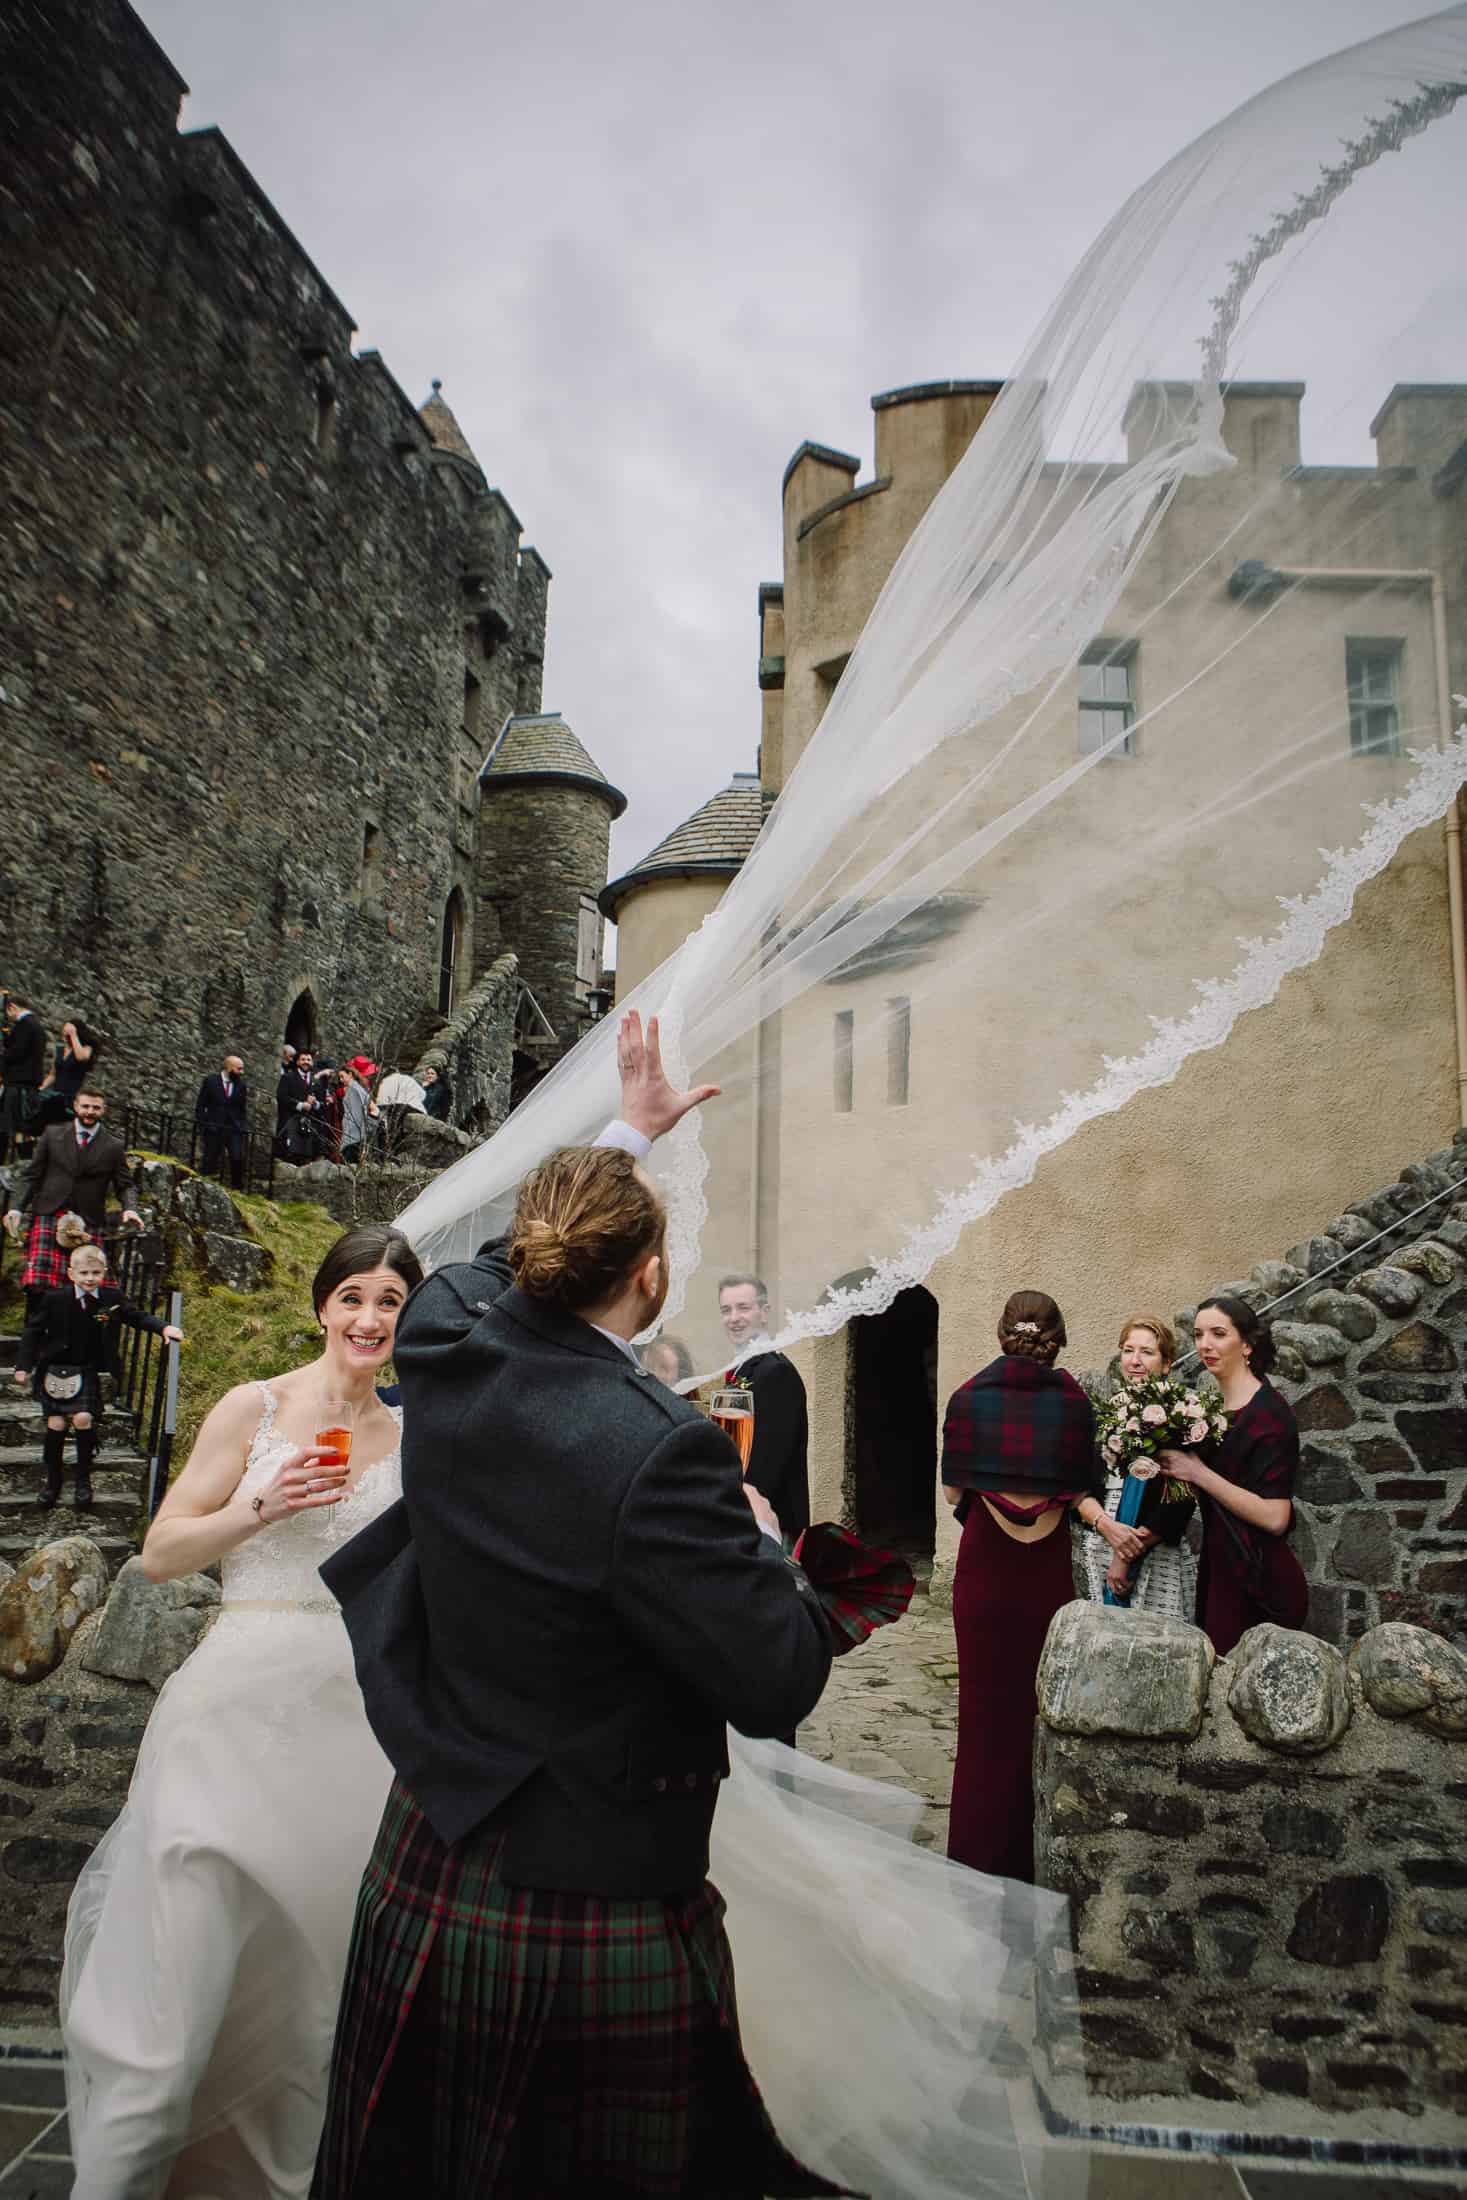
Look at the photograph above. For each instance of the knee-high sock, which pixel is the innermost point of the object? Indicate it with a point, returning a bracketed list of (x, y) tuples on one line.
[(86, 1452), (53, 1443)]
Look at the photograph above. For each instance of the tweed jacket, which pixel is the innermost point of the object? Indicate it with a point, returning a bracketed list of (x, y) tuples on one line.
[(571, 1599), (65, 1175), (1017, 1425)]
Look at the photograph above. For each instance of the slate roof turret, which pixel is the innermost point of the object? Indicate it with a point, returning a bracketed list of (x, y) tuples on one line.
[(540, 746), (713, 843)]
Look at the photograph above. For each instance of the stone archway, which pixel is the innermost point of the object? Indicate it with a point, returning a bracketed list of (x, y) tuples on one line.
[(891, 1423), (302, 1028)]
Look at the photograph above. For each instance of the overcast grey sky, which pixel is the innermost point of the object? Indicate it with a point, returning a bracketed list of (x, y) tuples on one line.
[(651, 246)]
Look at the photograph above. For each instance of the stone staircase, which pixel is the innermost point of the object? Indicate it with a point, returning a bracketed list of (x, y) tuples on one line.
[(117, 1479)]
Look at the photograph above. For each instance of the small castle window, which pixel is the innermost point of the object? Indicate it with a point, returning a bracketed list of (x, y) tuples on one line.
[(453, 926), (898, 1051), (324, 429), (371, 881), (473, 698), (845, 1060), (1373, 683), (1108, 698), (588, 945)]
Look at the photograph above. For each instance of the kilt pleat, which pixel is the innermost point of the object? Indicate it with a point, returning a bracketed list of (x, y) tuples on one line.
[(522, 2043)]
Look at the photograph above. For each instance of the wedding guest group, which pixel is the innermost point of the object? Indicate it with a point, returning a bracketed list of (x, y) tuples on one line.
[(69, 1342)]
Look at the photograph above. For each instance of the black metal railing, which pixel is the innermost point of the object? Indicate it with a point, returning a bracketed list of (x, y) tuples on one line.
[(163, 1129), (147, 1389)]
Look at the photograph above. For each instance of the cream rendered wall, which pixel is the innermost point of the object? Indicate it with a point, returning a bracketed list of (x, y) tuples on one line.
[(654, 919)]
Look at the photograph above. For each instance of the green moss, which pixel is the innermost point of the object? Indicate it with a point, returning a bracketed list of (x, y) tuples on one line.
[(244, 1336)]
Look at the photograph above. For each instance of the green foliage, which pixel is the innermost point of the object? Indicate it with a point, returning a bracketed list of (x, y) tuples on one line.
[(239, 1337)]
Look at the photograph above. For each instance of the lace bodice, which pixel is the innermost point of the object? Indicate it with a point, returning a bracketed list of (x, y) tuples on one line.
[(278, 1566)]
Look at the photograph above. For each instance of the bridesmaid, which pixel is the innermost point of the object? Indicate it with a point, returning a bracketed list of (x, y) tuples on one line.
[(1162, 1575), (1245, 1484), (1018, 1447)]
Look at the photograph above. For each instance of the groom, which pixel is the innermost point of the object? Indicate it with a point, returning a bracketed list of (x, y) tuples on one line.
[(550, 1631)]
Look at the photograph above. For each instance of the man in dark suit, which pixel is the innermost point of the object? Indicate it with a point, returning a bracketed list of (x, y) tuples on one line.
[(551, 1630), (221, 1121), (778, 1464), (73, 1169), (23, 1063)]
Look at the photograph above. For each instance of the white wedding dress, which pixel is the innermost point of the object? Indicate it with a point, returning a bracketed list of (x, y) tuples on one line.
[(881, 1988)]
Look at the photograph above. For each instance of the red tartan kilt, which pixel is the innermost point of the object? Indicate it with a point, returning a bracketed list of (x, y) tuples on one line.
[(524, 2043), (46, 1261)]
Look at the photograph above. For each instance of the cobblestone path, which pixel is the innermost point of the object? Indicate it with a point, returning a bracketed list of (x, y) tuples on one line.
[(890, 1709)]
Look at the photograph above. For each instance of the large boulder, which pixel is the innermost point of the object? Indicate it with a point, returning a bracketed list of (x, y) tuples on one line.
[(1107, 1671), (1289, 1691), (44, 1602), (1408, 1673), (150, 1627), (1394, 1290), (238, 1263), (208, 1206), (425, 1142)]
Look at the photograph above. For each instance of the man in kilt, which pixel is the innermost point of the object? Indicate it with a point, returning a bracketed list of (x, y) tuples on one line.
[(73, 1169), (551, 1630)]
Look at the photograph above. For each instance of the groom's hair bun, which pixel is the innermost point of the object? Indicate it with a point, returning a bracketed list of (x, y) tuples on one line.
[(584, 1218), (1032, 1327)]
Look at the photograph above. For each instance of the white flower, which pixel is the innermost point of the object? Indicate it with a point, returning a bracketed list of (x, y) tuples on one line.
[(1144, 1470), (1153, 1415), (1197, 1433)]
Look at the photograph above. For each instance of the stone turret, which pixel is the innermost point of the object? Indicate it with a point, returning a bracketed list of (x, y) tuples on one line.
[(544, 835)]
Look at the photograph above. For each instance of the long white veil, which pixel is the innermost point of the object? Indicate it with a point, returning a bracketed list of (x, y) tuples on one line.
[(1024, 930)]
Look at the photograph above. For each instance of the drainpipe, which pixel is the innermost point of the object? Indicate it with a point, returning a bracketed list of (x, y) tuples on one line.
[(1352, 576)]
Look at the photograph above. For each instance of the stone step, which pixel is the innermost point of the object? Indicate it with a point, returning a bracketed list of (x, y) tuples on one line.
[(24, 1461), (21, 1418), (117, 1496), (17, 1545)]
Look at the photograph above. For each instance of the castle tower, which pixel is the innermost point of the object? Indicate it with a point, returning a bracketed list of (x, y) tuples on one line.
[(663, 899), (544, 836)]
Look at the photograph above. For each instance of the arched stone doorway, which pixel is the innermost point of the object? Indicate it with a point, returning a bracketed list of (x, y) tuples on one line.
[(301, 1028), (891, 1423)]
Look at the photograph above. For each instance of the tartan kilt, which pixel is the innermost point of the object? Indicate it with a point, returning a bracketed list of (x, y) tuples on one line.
[(45, 1260), (522, 2043)]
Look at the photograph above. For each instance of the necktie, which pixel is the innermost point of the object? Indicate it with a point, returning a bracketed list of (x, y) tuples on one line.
[(84, 1138)]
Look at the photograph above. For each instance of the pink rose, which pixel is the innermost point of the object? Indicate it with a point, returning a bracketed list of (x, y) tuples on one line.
[(1154, 1415), (1144, 1470), (1197, 1433)]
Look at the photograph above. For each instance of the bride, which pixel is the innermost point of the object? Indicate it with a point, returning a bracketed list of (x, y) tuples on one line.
[(207, 1933), (880, 1986)]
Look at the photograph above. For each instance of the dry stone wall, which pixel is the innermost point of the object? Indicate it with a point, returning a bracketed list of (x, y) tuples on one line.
[(1264, 1861), (1373, 1359)]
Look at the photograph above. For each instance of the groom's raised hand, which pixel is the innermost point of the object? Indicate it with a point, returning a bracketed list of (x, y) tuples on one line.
[(648, 1101)]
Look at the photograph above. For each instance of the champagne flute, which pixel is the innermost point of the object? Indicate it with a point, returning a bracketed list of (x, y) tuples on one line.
[(336, 1419), (732, 1410)]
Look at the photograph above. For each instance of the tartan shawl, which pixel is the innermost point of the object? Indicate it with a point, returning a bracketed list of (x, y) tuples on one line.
[(1016, 1425)]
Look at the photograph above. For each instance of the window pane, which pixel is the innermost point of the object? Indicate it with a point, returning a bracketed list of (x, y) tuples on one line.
[(845, 1081), (1092, 683), (898, 1051)]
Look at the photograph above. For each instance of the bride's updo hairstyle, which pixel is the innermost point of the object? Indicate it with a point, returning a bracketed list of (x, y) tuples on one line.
[(1251, 1327), (357, 1252), (1032, 1327), (584, 1218)]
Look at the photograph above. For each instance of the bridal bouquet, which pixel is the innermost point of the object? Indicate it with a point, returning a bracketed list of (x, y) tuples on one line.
[(1138, 1420)]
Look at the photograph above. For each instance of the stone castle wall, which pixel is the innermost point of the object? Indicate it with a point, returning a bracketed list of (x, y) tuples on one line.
[(1263, 1859), (242, 591)]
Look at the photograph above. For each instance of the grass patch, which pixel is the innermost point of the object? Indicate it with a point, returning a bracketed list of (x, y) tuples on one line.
[(245, 1336)]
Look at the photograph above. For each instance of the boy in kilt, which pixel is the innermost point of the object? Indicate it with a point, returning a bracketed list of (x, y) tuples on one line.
[(551, 1630), (69, 1342)]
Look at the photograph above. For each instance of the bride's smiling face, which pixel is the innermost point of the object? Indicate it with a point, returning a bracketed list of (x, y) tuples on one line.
[(360, 1317)]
